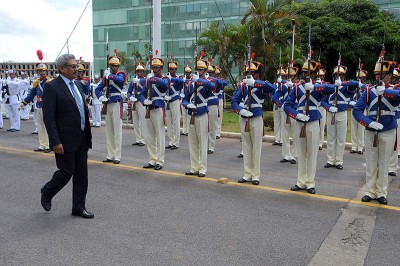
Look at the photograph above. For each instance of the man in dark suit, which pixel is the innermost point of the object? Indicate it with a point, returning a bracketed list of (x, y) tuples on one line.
[(67, 122)]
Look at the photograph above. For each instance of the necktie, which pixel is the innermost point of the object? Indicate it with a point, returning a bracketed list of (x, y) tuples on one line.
[(79, 103)]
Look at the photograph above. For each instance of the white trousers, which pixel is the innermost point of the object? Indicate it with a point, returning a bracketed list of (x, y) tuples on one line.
[(336, 137), (95, 112), (155, 141), (14, 115), (322, 123), (307, 149), (24, 112), (213, 126), (139, 122), (173, 119), (377, 161), (42, 132), (277, 124), (198, 142), (1, 114), (251, 147), (220, 114), (185, 123), (357, 135), (114, 131), (394, 161), (288, 152), (35, 117)]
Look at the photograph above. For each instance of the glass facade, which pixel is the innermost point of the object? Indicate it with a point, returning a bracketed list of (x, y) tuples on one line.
[(128, 23)]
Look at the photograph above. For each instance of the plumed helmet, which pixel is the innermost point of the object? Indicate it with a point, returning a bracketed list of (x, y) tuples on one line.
[(172, 65), (159, 62), (388, 67), (211, 68), (140, 67), (292, 71), (313, 66), (396, 72), (188, 69), (281, 71), (218, 70), (342, 70), (361, 74), (255, 66), (82, 67), (202, 64), (321, 72), (115, 60), (41, 66)]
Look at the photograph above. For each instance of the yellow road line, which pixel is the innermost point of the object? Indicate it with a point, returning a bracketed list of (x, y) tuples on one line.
[(273, 189)]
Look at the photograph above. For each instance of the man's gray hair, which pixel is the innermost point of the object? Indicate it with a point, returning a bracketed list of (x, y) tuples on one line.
[(62, 60)]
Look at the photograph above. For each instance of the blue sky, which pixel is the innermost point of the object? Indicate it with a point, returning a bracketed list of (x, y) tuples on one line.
[(31, 25)]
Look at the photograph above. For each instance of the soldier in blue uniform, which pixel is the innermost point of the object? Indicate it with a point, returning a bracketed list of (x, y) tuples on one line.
[(252, 91), (337, 105), (224, 83), (153, 99), (307, 146), (393, 165), (322, 122), (380, 122), (37, 91), (195, 101), (114, 103), (213, 109), (187, 79)]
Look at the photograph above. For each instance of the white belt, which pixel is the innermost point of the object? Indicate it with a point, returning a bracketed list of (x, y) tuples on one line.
[(115, 94), (157, 98), (383, 112), (309, 108), (201, 105), (253, 105), (338, 102), (212, 97)]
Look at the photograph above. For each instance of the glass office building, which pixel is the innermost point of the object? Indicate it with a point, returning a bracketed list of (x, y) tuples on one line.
[(128, 23)]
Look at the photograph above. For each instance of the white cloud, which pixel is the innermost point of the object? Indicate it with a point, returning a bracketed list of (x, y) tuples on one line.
[(31, 25)]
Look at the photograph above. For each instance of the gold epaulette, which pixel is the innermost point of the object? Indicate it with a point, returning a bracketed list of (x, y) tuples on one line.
[(49, 79), (35, 83)]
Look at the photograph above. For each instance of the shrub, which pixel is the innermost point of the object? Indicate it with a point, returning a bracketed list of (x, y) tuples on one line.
[(269, 120)]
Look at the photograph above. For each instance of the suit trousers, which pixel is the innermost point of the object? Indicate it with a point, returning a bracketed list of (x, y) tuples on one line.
[(220, 116), (71, 164), (377, 162), (288, 152), (251, 146), (307, 149), (212, 126), (156, 136), (277, 124), (336, 139), (42, 132), (139, 122), (173, 119), (198, 139), (322, 123), (357, 135), (114, 131)]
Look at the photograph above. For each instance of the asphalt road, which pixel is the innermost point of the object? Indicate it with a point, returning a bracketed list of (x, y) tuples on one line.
[(148, 217)]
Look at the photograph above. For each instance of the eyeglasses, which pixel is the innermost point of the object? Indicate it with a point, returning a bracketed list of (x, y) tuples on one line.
[(72, 66)]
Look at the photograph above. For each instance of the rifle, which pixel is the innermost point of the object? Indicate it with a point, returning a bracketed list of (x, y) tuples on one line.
[(280, 71), (359, 76), (107, 94), (291, 63), (288, 91), (333, 121), (250, 58), (193, 116), (307, 107), (169, 83), (148, 85), (378, 111)]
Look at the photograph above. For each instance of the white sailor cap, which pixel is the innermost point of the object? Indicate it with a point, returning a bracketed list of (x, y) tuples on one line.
[(96, 76)]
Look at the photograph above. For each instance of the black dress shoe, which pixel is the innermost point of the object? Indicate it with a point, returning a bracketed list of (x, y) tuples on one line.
[(202, 175), (382, 200), (83, 213), (280, 144), (148, 165), (360, 152), (242, 180), (217, 137), (339, 166), (320, 148), (47, 150), (284, 160), (240, 156), (210, 152), (275, 143), (136, 144), (108, 161), (328, 165), (141, 144), (293, 161), (191, 173), (38, 150), (34, 133), (255, 182), (366, 198), (117, 161), (392, 173), (9, 129), (168, 147), (352, 151), (311, 190), (296, 188), (174, 147), (45, 200), (158, 167), (14, 130)]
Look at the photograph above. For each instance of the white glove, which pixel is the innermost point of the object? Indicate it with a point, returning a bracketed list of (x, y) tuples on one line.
[(318, 80), (147, 102), (241, 104), (279, 80), (207, 75), (249, 81), (103, 99), (245, 113), (289, 84), (360, 84), (106, 73), (338, 83), (191, 106), (133, 99), (309, 86), (150, 75), (302, 117), (167, 97), (182, 95), (195, 77), (136, 81), (380, 90), (352, 103), (333, 109), (169, 76), (375, 125)]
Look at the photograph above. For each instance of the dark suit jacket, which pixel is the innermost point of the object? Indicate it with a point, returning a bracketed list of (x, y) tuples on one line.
[(61, 116)]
